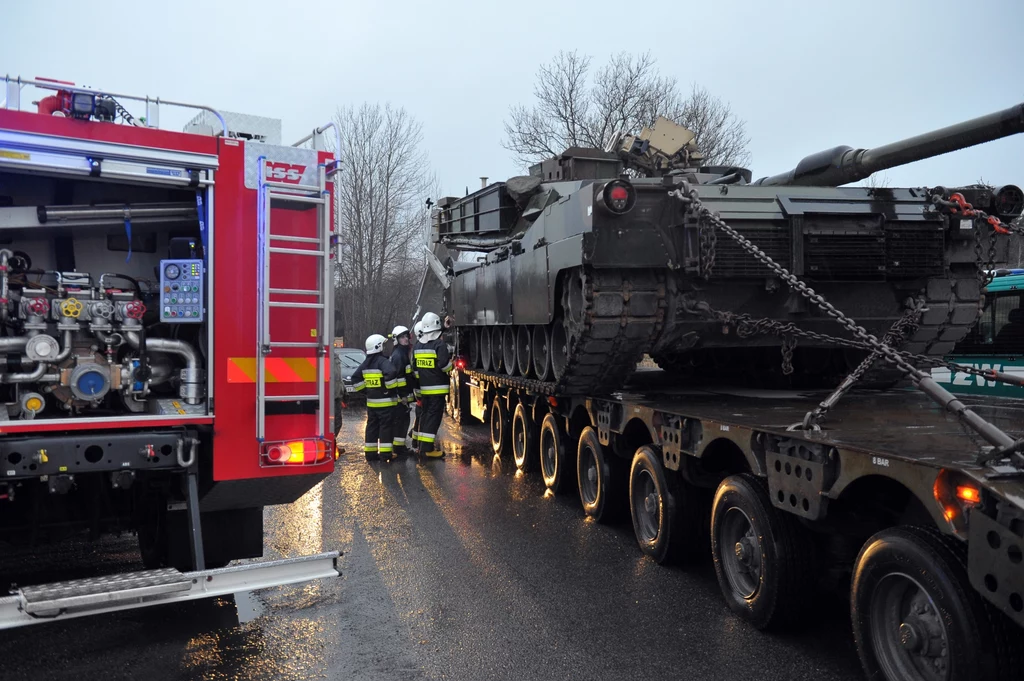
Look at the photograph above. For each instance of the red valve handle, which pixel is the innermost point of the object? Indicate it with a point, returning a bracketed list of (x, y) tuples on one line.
[(134, 309), (39, 306)]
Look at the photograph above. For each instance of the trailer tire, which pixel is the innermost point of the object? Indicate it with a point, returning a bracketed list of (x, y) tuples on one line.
[(499, 423), (524, 439), (904, 566), (554, 461), (654, 507), (763, 558), (595, 477)]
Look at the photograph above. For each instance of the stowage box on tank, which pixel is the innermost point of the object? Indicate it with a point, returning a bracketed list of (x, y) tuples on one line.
[(572, 273)]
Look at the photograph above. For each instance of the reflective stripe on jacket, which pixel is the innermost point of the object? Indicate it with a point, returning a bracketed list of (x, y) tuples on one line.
[(403, 366), (378, 378), (432, 363)]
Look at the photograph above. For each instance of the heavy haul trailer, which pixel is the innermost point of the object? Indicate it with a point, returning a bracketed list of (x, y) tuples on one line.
[(888, 495), (165, 316)]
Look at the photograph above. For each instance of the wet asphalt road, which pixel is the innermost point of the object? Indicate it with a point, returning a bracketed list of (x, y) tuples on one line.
[(453, 569)]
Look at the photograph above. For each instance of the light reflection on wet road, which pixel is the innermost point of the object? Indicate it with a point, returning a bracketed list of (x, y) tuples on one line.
[(453, 569)]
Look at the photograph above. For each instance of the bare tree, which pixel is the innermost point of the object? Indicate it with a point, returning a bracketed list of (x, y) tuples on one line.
[(626, 94), (380, 191)]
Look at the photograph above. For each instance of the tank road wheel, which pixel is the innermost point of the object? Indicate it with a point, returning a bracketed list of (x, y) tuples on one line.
[(597, 476), (485, 348), (508, 347), (497, 352), (542, 352), (762, 558), (524, 348), (524, 439), (499, 427), (473, 347), (917, 618), (554, 460), (574, 301), (559, 346)]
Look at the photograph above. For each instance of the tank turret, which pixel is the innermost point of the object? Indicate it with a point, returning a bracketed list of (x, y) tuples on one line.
[(573, 273)]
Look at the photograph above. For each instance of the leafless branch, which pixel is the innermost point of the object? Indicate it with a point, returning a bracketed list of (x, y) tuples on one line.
[(626, 94), (379, 201)]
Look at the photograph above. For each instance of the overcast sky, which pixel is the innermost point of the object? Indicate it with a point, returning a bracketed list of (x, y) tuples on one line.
[(805, 76)]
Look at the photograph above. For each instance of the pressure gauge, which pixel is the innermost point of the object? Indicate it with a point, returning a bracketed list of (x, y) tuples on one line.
[(172, 272)]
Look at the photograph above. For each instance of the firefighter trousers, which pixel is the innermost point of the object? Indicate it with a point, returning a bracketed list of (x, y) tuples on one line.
[(401, 424), (378, 432), (430, 422)]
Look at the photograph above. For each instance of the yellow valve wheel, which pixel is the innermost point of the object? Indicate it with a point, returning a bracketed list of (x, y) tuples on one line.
[(71, 308)]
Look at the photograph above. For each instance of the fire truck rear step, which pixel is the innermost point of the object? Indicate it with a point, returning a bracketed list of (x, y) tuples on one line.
[(77, 598)]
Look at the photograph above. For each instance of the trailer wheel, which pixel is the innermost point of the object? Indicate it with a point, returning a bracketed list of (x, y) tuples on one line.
[(916, 616), (524, 439), (652, 505), (763, 559), (594, 476), (554, 461), (499, 427)]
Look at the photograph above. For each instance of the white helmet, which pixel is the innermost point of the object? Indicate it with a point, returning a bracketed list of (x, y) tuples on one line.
[(375, 344), (431, 322), (418, 328), (399, 330)]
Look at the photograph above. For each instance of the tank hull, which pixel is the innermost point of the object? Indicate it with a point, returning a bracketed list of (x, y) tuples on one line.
[(605, 289)]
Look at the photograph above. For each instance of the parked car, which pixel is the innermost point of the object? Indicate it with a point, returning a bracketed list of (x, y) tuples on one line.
[(347, 360)]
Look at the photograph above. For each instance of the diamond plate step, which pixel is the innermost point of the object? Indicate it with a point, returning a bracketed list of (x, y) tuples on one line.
[(99, 590)]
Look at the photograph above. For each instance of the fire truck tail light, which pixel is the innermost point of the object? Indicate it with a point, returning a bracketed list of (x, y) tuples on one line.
[(296, 452)]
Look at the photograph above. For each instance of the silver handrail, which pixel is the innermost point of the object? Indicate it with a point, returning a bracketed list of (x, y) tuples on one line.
[(337, 142), (46, 85)]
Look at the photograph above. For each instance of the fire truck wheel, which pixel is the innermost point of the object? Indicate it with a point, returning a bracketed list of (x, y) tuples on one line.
[(653, 505), (594, 476), (763, 558), (917, 617), (498, 417), (554, 461), (524, 439)]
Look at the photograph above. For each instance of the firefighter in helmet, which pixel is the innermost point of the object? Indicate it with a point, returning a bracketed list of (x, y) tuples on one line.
[(432, 363), (378, 378), (403, 413)]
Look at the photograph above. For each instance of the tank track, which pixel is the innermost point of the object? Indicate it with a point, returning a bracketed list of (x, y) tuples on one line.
[(607, 332), (953, 305)]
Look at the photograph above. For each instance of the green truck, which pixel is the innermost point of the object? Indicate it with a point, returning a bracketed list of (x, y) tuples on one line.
[(996, 341)]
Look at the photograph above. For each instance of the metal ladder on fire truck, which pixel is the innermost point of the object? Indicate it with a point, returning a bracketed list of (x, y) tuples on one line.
[(319, 298), (111, 593)]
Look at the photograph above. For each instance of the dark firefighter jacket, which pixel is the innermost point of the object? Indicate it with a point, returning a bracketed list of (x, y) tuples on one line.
[(377, 378), (402, 361), (432, 364)]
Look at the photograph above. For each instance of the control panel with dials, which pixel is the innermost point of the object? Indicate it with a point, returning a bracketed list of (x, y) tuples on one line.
[(181, 291)]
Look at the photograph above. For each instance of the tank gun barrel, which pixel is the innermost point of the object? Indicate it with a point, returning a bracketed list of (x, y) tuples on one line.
[(843, 165)]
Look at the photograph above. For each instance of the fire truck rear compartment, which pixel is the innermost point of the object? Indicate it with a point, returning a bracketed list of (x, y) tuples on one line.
[(103, 375), (87, 331)]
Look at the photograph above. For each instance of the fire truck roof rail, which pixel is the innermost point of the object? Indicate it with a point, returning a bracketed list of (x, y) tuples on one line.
[(13, 86), (317, 141)]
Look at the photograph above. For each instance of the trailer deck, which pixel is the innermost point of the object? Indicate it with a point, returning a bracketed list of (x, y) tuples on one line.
[(903, 424)]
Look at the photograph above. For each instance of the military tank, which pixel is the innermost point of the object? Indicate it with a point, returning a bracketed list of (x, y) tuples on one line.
[(575, 272)]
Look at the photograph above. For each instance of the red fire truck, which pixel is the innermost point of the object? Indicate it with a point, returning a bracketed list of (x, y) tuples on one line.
[(166, 317)]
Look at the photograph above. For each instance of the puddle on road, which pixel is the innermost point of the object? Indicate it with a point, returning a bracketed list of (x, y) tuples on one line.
[(248, 606)]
